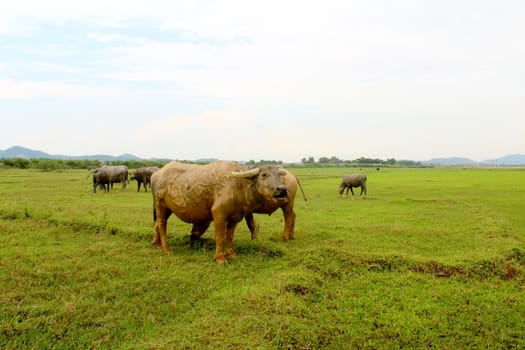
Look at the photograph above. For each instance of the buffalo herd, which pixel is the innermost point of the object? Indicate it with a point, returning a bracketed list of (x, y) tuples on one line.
[(105, 176), (224, 192)]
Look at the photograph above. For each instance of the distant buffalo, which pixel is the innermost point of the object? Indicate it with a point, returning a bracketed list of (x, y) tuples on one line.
[(108, 175), (101, 179), (353, 180), (143, 176)]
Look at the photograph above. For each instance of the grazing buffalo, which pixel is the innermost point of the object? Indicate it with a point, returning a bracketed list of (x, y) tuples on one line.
[(118, 173), (112, 174), (353, 180), (143, 176), (269, 206), (223, 192), (101, 178)]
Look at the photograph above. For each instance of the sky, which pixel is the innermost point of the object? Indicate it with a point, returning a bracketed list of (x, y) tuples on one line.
[(272, 80)]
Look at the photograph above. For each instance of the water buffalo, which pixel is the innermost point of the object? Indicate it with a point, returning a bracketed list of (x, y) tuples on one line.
[(269, 206), (223, 192), (353, 180), (111, 174), (143, 176), (118, 173), (101, 179)]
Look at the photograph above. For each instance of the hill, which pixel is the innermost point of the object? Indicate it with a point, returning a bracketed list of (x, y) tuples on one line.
[(452, 161), (22, 152), (511, 159)]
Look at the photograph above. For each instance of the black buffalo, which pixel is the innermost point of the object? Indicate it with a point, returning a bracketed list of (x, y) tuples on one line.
[(143, 176), (101, 179), (109, 174)]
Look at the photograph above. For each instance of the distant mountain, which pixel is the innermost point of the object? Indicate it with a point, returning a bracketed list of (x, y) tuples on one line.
[(22, 152), (452, 161), (511, 159)]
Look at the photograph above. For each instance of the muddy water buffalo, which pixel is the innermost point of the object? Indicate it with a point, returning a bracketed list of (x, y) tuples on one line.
[(269, 206), (353, 180), (143, 176), (223, 192)]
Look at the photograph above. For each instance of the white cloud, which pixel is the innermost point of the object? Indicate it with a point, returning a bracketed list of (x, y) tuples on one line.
[(51, 68), (207, 121), (405, 72), (107, 38), (11, 89)]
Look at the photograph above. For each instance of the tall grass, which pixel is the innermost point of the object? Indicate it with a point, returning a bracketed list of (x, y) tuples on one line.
[(429, 258)]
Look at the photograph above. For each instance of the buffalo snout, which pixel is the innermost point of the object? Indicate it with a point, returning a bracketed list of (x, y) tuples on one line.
[(281, 192)]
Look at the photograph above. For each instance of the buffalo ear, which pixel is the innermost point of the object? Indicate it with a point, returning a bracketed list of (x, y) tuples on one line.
[(246, 173), (282, 172)]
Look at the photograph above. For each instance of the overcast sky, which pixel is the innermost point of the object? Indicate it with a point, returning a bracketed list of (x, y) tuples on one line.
[(279, 80)]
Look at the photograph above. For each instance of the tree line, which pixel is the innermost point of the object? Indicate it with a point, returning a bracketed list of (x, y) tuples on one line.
[(334, 161), (359, 161), (63, 164)]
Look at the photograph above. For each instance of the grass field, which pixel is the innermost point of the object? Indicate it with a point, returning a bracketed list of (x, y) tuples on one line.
[(429, 258)]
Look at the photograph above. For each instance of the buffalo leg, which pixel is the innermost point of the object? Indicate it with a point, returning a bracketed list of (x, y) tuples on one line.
[(220, 234), (351, 190), (289, 223), (145, 183), (230, 229), (250, 222), (161, 238)]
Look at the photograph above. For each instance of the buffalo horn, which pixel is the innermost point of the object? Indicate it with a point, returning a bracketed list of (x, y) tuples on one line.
[(246, 173)]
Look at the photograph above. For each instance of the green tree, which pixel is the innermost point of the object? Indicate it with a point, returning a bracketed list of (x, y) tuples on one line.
[(21, 163)]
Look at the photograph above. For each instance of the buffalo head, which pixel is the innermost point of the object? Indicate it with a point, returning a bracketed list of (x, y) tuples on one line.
[(267, 181)]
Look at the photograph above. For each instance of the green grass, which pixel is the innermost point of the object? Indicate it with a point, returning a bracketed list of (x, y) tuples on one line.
[(430, 258)]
